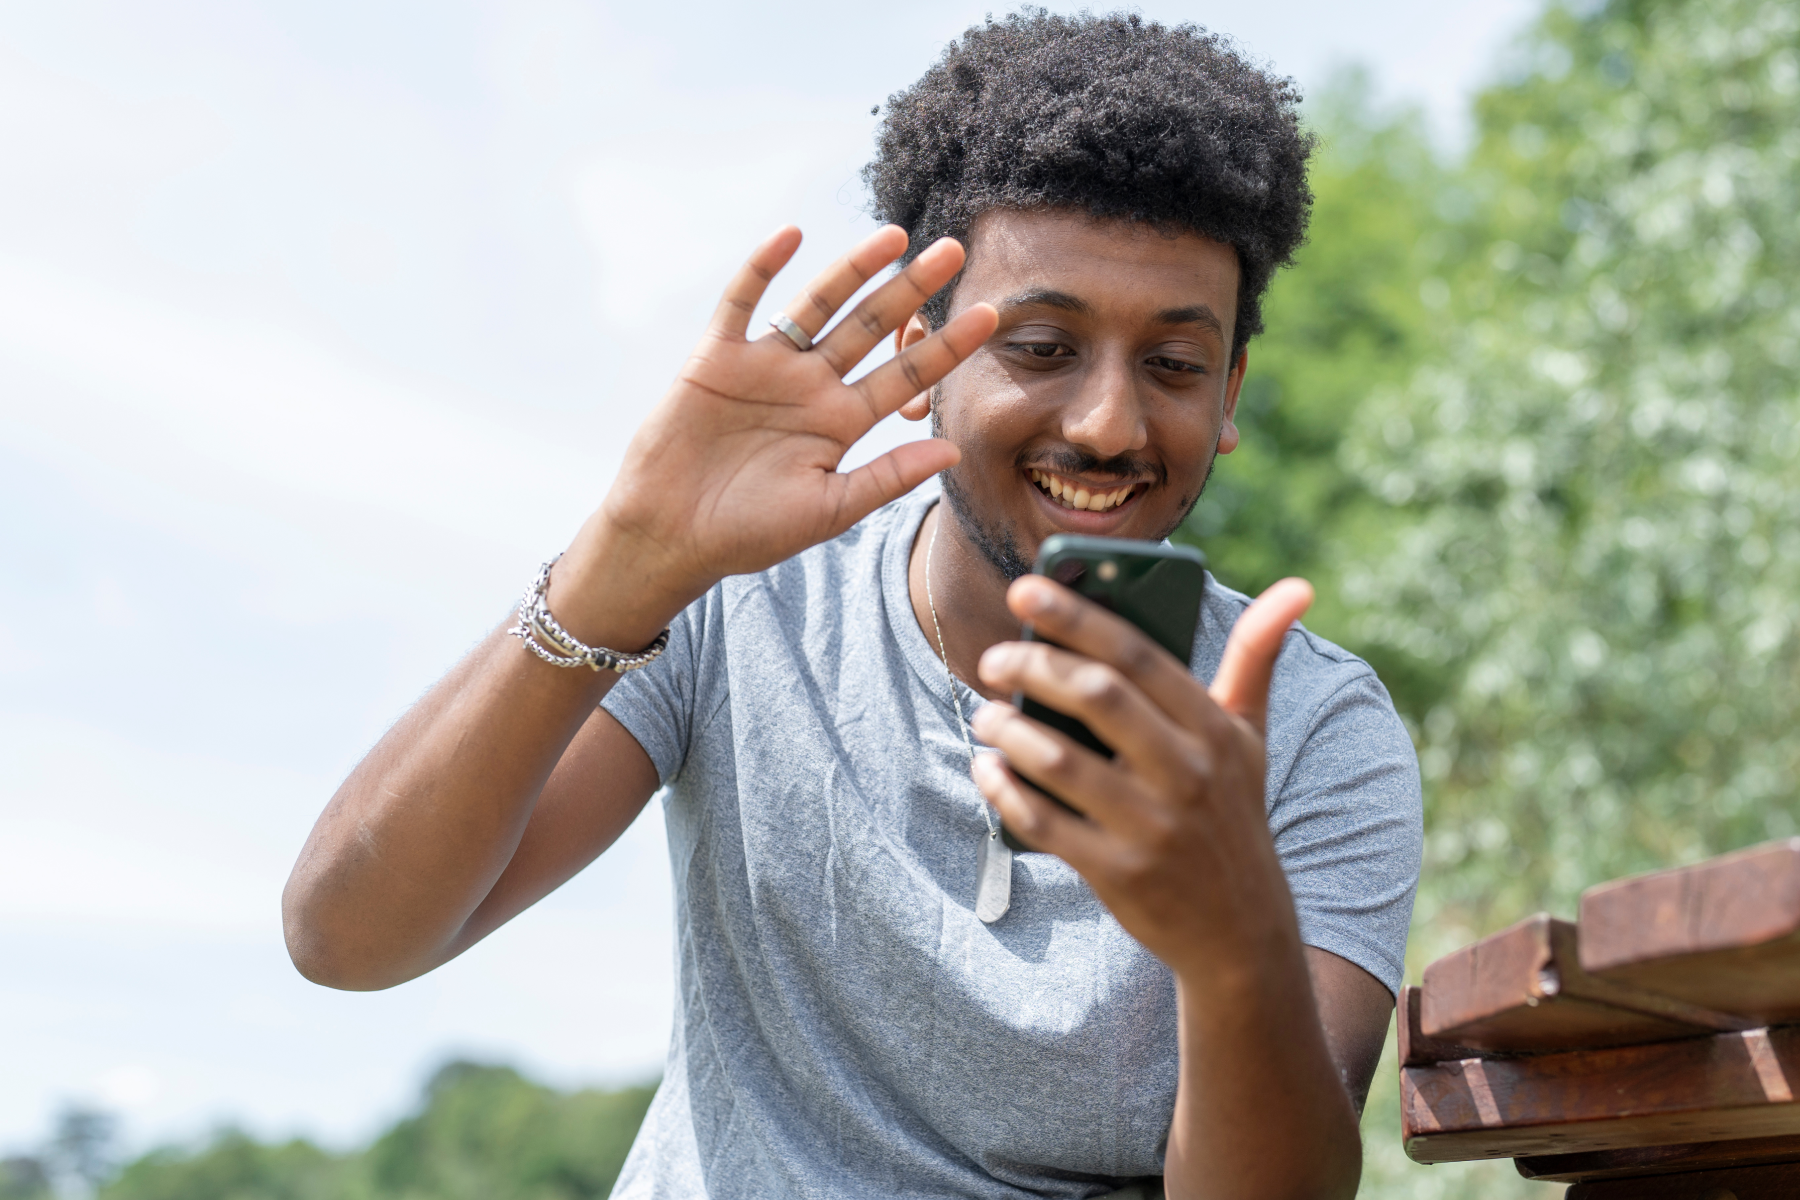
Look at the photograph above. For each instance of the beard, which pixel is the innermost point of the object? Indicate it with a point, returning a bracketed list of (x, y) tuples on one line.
[(998, 545)]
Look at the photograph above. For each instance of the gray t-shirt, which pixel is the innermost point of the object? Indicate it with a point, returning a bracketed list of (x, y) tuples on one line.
[(844, 1025)]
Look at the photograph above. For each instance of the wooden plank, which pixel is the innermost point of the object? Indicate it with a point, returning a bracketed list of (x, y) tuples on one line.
[(1778, 1182), (1717, 1088), (1523, 989), (1658, 1160), (1724, 934), (1417, 1050)]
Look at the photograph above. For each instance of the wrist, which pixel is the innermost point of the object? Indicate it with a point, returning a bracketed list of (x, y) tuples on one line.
[(1247, 969), (1239, 919), (614, 588), (1251, 952)]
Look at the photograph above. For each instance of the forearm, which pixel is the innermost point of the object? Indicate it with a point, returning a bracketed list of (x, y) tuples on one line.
[(418, 833), (417, 836), (1260, 1110)]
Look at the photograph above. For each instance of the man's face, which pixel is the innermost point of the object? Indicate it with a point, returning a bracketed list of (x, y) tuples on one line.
[(1109, 381)]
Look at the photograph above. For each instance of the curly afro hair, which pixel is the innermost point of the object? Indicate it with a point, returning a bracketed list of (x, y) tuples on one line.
[(1107, 115)]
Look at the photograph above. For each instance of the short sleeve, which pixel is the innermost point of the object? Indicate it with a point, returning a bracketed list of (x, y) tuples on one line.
[(656, 703), (1349, 829)]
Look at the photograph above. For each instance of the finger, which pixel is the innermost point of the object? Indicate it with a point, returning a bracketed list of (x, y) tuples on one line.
[(1031, 816), (1060, 615), (1056, 763), (917, 368), (890, 477), (891, 304), (822, 297), (746, 288), (1242, 685), (1095, 693)]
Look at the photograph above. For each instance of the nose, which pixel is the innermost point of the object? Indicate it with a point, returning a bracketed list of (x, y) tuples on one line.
[(1106, 416)]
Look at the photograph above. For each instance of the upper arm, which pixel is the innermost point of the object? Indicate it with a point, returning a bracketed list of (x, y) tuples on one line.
[(1348, 833), (598, 788), (1354, 1011), (1347, 825)]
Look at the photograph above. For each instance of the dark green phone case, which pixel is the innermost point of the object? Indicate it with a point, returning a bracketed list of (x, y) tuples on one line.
[(1156, 587)]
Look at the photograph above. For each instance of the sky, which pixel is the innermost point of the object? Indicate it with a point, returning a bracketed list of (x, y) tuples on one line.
[(321, 326)]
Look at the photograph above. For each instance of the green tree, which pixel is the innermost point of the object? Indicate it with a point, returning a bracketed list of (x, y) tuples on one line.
[(233, 1166), (488, 1132), (483, 1132), (23, 1177), (1589, 537), (1593, 496), (1358, 311)]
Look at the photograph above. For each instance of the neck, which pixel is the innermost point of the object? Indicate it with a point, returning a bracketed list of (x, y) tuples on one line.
[(969, 593)]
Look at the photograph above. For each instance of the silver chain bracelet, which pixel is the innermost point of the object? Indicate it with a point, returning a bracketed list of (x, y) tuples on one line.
[(544, 637)]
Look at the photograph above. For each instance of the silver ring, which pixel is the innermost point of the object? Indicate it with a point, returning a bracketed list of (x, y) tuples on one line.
[(784, 325)]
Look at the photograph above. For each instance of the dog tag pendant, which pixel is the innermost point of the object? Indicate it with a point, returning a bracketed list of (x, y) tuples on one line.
[(993, 878)]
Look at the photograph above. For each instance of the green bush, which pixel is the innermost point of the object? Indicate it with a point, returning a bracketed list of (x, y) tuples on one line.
[(483, 1133), (488, 1132)]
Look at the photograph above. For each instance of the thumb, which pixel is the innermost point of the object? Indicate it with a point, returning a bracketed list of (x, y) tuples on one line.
[(890, 477), (1242, 685)]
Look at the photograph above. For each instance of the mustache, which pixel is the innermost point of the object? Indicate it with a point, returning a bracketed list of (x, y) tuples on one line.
[(1067, 460)]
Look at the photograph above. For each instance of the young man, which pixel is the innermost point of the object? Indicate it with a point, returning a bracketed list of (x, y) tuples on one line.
[(1188, 980)]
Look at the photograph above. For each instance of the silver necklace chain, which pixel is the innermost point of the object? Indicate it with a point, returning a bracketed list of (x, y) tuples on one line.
[(962, 722)]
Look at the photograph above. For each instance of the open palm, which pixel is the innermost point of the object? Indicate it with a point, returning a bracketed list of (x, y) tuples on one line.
[(736, 468)]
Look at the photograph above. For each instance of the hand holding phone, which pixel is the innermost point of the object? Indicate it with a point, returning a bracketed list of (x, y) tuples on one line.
[(1155, 586)]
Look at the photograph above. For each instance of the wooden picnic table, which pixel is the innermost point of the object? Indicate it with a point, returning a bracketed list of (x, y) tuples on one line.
[(1648, 1050)]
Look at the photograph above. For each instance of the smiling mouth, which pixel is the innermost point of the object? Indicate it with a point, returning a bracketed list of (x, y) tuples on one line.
[(1070, 493)]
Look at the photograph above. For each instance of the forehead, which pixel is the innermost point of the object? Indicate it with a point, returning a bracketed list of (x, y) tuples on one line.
[(1114, 265)]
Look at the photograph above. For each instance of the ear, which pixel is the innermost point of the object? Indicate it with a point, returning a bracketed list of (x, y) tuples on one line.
[(914, 331), (1228, 434)]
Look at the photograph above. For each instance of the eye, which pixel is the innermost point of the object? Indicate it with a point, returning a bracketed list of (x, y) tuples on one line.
[(1042, 349), (1163, 363)]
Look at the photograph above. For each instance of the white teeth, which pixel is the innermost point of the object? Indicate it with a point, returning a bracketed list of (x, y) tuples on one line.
[(1071, 495)]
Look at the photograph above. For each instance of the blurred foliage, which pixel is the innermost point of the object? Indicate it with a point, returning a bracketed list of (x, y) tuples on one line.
[(1346, 318), (75, 1160), (1590, 498), (233, 1166), (486, 1132), (483, 1133), (24, 1177), (1537, 436), (1359, 311)]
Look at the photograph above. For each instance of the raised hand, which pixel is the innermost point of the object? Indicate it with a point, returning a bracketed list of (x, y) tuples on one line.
[(736, 467)]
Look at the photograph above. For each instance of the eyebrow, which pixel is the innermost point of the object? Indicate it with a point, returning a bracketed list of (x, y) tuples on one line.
[(1193, 314), (1047, 298)]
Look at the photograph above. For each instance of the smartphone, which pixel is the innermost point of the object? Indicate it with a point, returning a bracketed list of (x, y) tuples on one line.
[(1156, 587)]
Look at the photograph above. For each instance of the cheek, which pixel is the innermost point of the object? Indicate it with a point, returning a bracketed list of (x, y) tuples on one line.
[(1186, 438), (984, 412)]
